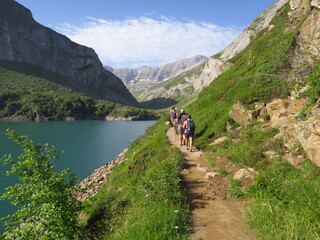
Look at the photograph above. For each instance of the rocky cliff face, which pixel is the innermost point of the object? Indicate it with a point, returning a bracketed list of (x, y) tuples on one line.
[(26, 41), (214, 66), (157, 74), (218, 65)]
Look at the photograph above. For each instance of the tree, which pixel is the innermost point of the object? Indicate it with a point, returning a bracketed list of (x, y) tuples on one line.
[(45, 199)]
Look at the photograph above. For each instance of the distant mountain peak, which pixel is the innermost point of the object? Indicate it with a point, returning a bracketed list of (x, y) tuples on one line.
[(147, 74)]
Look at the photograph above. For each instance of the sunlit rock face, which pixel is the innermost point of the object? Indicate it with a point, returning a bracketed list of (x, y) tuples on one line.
[(24, 40)]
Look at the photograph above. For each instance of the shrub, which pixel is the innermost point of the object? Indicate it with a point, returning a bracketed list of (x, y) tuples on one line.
[(45, 200)]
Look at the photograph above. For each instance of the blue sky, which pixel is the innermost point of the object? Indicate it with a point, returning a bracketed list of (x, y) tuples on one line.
[(128, 33)]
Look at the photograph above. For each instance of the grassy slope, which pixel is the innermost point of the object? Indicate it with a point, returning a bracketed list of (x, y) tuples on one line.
[(23, 95), (285, 201), (254, 76), (143, 198)]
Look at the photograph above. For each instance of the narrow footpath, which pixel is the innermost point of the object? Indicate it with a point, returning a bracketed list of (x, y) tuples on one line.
[(214, 216)]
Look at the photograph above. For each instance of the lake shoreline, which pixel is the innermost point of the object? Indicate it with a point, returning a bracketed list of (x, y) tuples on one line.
[(92, 184), (71, 118)]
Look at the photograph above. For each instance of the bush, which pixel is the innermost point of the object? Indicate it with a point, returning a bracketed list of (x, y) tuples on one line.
[(45, 200)]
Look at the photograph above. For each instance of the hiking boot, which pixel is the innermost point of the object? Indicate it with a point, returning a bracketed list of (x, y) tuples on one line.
[(187, 148), (190, 149)]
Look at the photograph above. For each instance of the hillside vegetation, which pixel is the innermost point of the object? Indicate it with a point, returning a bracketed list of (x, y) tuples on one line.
[(25, 97), (284, 200), (143, 198)]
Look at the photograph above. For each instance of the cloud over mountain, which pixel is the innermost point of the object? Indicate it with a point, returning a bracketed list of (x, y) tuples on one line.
[(141, 41)]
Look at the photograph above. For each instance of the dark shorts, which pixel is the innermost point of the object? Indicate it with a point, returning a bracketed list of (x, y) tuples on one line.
[(189, 134)]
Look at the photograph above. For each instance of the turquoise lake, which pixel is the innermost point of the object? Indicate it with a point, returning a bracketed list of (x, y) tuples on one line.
[(87, 145)]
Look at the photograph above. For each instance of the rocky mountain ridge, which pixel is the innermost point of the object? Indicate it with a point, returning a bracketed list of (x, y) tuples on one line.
[(23, 40), (147, 74), (194, 80), (219, 63)]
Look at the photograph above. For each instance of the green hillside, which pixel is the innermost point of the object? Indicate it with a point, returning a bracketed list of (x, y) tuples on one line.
[(284, 200), (258, 74), (274, 209), (143, 198), (25, 97)]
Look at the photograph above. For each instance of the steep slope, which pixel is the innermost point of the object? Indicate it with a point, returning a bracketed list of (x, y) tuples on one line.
[(219, 63), (283, 201), (194, 80), (23, 40), (266, 78), (25, 97), (156, 74)]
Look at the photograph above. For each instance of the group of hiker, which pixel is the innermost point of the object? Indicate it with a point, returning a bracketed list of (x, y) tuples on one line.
[(185, 127)]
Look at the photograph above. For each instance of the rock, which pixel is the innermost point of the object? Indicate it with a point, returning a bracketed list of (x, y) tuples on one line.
[(294, 4), (270, 154), (75, 66), (315, 3), (244, 173), (92, 184), (156, 74), (210, 175), (240, 115), (185, 172), (218, 65), (294, 160), (219, 140), (259, 109), (284, 111), (308, 135)]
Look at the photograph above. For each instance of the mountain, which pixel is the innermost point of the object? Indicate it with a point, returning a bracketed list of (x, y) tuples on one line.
[(260, 114), (219, 63), (192, 81), (156, 74), (24, 41)]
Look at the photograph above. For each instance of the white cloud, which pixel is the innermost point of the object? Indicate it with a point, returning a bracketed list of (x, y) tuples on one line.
[(146, 41)]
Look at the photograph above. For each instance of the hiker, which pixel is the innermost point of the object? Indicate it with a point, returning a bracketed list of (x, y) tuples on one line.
[(182, 117), (189, 127), (173, 114)]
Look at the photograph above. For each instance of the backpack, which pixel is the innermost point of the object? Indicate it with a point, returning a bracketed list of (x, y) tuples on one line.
[(190, 126), (174, 115)]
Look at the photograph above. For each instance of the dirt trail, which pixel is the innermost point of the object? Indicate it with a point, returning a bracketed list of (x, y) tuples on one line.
[(214, 216)]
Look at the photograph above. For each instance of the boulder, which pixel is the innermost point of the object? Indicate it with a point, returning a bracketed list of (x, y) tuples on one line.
[(294, 159), (294, 4), (284, 111), (240, 115), (315, 3), (308, 135)]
